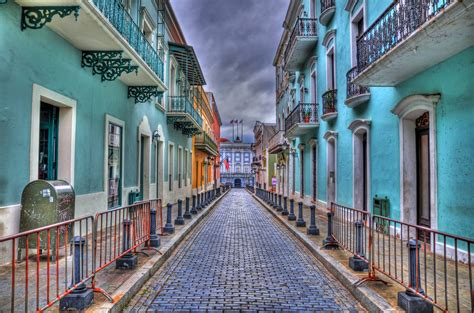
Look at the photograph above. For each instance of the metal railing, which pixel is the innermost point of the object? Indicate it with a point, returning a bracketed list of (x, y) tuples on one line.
[(353, 89), (396, 23), (43, 265), (327, 4), (204, 139), (277, 139), (306, 113), (434, 265), (329, 101), (123, 22), (303, 27), (182, 104)]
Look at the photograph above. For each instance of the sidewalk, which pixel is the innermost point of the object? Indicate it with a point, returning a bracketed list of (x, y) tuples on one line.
[(393, 247)]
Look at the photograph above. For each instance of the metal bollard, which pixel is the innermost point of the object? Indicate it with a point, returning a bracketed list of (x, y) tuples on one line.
[(356, 262), (285, 207), (169, 228), (292, 216), (179, 219), (313, 229), (199, 206), (274, 200), (300, 222), (279, 208), (415, 280), (81, 297), (330, 242), (129, 260), (187, 214), (193, 209), (154, 238)]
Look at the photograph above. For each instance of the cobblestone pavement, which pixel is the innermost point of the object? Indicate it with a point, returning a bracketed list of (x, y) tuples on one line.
[(241, 259)]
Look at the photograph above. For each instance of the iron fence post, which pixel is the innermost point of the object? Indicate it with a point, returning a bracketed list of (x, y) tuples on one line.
[(300, 222), (313, 229), (169, 228), (292, 216)]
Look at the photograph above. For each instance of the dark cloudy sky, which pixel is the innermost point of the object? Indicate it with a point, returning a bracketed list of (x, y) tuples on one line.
[(235, 41)]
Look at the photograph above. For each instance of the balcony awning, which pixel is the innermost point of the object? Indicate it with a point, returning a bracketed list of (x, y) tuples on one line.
[(189, 63)]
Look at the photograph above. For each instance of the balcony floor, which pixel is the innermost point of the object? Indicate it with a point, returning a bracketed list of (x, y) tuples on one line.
[(440, 38), (301, 129), (298, 54)]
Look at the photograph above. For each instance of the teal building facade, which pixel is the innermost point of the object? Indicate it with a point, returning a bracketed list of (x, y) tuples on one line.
[(94, 93), (374, 99)]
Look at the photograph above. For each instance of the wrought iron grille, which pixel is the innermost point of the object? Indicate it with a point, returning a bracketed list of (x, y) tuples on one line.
[(304, 27), (181, 104), (205, 139), (397, 22), (329, 101), (327, 4), (304, 113), (114, 11), (353, 89)]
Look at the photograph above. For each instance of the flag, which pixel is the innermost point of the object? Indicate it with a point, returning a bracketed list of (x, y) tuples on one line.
[(241, 121), (232, 121), (226, 164)]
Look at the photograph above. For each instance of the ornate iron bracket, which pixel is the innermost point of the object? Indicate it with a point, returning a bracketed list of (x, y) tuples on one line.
[(143, 93), (109, 64), (37, 17)]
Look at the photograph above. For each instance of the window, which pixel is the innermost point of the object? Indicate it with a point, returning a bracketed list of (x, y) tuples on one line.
[(185, 175), (114, 156), (237, 157), (180, 166), (147, 25), (357, 29), (48, 142), (302, 88), (331, 69)]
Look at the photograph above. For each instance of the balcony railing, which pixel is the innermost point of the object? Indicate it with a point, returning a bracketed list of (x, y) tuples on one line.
[(354, 90), (277, 142), (304, 113), (304, 27), (207, 142), (327, 4), (329, 101), (328, 7), (398, 21), (114, 11), (181, 104)]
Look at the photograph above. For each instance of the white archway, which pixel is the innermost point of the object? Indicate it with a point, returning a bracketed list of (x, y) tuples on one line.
[(331, 166), (361, 164), (408, 110)]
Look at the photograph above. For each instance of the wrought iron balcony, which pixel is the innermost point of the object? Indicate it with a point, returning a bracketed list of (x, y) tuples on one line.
[(277, 143), (328, 8), (303, 119), (411, 36), (302, 40), (116, 14), (329, 105), (184, 117), (355, 94), (205, 143)]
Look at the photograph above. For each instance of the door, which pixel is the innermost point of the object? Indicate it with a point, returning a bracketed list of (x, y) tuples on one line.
[(423, 172), (142, 167), (314, 172), (364, 173), (48, 142), (114, 196), (331, 179)]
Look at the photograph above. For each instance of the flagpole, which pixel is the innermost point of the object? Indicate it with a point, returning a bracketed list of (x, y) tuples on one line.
[(232, 123)]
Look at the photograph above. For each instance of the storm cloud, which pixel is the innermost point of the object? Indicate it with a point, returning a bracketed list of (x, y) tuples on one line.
[(235, 41)]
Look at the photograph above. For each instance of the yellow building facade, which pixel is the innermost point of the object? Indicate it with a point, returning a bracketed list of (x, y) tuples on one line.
[(205, 147)]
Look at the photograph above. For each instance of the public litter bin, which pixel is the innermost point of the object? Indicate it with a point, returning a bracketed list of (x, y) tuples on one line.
[(45, 203)]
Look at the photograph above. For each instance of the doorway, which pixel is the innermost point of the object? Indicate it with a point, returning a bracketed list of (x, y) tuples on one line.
[(238, 183), (423, 191), (144, 167), (331, 171), (361, 169), (314, 172), (48, 142)]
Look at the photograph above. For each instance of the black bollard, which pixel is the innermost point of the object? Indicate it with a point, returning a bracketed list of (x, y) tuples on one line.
[(285, 207), (292, 216), (356, 262), (274, 200), (409, 300), (187, 214), (169, 228), (81, 297), (129, 260), (199, 206), (154, 238), (193, 209), (300, 222), (279, 208), (330, 242), (313, 229), (179, 219)]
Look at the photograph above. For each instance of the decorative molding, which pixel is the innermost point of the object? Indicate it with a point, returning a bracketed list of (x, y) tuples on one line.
[(330, 34), (407, 103), (37, 17), (143, 93), (358, 123), (301, 146), (313, 142), (109, 64), (329, 134), (350, 5)]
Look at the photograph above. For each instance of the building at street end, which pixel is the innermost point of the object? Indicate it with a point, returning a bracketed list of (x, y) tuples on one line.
[(236, 163), (263, 163), (375, 101)]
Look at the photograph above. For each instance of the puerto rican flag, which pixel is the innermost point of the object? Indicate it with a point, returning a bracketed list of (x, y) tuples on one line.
[(226, 163)]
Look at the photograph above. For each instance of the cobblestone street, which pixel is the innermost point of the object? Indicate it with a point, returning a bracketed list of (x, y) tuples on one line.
[(240, 258)]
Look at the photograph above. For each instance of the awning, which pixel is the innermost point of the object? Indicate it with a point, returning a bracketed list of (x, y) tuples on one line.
[(189, 63)]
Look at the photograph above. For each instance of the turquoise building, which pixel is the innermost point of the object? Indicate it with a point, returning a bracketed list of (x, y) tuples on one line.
[(98, 93), (374, 99)]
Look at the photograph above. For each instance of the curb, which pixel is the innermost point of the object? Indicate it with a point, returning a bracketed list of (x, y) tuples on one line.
[(133, 285), (370, 299)]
